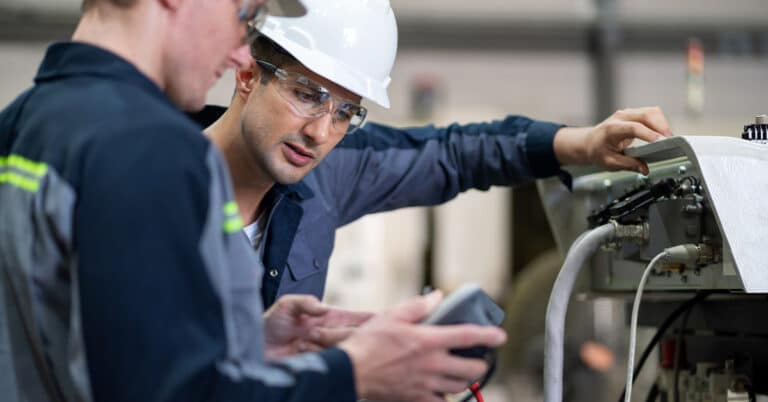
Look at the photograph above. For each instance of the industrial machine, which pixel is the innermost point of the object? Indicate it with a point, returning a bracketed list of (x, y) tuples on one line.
[(706, 198)]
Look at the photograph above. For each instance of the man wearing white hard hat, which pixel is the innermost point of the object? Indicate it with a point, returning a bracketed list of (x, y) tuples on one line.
[(303, 166), (124, 274)]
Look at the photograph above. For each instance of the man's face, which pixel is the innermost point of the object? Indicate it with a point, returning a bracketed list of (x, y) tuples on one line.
[(208, 41), (284, 145)]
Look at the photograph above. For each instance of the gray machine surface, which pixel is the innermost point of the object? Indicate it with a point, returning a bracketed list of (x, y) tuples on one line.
[(722, 199), (705, 191)]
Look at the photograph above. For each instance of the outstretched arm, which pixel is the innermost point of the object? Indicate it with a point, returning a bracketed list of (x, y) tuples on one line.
[(382, 168)]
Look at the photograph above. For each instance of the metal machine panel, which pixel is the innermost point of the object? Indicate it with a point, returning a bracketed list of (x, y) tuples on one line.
[(731, 211)]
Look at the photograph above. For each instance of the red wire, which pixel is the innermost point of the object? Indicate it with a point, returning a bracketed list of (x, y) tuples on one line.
[(475, 388)]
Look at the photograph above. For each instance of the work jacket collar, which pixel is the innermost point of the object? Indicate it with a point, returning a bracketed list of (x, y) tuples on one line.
[(299, 191), (70, 59)]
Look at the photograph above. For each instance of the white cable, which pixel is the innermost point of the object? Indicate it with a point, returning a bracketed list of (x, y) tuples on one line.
[(554, 332), (682, 254), (633, 325)]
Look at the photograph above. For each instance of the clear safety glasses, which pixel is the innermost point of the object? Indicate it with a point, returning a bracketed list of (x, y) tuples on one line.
[(309, 99)]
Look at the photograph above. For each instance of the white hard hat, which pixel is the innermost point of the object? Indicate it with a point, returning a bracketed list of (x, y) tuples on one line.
[(350, 42)]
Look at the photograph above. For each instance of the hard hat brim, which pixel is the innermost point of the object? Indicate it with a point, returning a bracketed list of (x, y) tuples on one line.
[(286, 8)]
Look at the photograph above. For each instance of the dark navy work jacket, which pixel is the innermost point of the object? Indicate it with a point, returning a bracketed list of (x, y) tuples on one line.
[(122, 257)]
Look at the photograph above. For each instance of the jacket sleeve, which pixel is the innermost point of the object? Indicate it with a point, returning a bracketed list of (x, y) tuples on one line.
[(380, 168), (159, 322)]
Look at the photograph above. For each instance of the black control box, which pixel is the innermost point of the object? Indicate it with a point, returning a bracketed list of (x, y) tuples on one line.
[(467, 305)]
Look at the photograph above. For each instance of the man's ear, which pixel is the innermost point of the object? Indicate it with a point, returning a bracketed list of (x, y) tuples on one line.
[(247, 78)]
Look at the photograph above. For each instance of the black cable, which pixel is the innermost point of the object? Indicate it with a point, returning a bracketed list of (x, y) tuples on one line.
[(653, 393), (484, 380), (679, 355), (751, 392), (661, 331)]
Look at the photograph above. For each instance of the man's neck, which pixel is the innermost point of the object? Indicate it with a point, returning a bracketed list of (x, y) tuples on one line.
[(251, 184), (134, 34)]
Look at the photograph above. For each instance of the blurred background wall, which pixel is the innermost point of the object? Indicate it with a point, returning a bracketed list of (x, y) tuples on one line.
[(570, 61)]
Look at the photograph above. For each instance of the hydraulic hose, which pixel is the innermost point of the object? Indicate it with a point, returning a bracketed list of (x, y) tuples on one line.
[(554, 334)]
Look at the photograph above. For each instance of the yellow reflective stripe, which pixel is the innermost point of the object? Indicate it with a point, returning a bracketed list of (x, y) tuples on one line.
[(232, 221), (19, 181), (230, 208), (25, 165), (233, 225)]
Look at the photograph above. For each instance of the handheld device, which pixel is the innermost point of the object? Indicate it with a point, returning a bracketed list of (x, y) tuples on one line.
[(467, 305)]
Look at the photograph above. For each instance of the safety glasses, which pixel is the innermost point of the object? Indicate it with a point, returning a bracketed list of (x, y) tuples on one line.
[(312, 100)]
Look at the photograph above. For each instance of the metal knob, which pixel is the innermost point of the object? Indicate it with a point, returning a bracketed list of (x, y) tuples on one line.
[(757, 132)]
